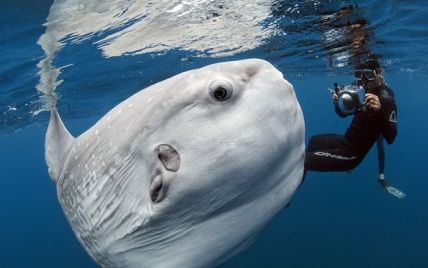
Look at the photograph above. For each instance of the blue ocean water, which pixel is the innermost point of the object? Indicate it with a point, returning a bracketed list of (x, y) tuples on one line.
[(334, 220)]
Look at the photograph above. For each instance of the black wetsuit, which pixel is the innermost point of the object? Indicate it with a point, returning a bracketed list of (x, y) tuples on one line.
[(332, 152)]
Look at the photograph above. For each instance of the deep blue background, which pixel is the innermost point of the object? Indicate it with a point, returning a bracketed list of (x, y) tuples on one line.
[(335, 219)]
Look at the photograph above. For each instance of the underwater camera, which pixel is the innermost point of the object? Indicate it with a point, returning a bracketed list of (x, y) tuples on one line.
[(351, 98)]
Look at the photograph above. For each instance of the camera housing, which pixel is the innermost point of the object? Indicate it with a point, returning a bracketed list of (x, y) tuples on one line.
[(351, 98)]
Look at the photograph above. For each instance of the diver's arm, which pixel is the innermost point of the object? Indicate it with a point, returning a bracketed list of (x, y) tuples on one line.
[(389, 116)]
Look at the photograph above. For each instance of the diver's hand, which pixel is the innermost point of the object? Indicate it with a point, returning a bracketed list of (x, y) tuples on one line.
[(334, 97), (372, 102)]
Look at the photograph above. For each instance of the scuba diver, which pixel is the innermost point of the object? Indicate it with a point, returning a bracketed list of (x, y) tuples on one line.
[(372, 104), (369, 100)]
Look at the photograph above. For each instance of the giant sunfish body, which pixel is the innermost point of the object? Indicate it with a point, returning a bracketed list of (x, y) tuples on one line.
[(184, 173)]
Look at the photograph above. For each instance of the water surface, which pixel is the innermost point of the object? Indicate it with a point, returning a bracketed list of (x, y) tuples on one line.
[(87, 56)]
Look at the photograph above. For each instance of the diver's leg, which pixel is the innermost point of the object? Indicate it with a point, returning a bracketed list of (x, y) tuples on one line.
[(326, 162), (323, 142), (330, 152)]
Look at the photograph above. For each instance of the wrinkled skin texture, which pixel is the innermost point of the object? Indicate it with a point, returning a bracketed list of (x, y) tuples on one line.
[(184, 173)]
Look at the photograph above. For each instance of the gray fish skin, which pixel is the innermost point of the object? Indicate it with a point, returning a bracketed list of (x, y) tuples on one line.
[(185, 173)]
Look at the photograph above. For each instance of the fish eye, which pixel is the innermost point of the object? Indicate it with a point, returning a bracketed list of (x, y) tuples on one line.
[(220, 90)]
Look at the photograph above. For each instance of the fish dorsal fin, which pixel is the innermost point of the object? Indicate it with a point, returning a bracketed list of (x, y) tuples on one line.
[(57, 143)]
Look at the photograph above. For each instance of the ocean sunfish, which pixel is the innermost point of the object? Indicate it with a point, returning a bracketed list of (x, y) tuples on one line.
[(184, 173)]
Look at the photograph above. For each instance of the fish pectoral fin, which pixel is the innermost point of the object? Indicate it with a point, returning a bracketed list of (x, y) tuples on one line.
[(57, 143), (170, 159)]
